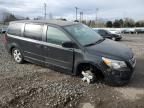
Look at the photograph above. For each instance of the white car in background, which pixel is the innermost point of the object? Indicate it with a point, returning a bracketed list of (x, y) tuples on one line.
[(128, 30), (115, 32)]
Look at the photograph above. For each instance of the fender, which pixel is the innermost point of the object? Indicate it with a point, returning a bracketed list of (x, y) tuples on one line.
[(13, 45)]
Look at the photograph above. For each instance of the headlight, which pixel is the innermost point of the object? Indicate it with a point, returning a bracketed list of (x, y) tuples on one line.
[(115, 64)]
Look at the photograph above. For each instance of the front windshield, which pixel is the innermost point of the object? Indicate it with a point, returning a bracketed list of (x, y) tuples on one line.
[(83, 34)]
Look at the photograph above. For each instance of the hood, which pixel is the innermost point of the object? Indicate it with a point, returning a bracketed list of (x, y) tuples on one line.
[(111, 49)]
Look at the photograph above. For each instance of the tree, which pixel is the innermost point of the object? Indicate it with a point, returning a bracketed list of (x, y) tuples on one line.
[(89, 23), (116, 24), (137, 24), (92, 23), (9, 18), (121, 22), (129, 22), (109, 24), (84, 22)]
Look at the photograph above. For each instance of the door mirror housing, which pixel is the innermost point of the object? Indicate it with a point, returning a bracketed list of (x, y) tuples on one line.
[(68, 44)]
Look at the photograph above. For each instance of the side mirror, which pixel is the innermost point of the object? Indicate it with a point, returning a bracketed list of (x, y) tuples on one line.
[(68, 44)]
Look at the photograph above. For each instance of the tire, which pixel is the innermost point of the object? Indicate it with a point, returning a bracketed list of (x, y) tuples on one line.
[(87, 74), (17, 55), (117, 39), (113, 38)]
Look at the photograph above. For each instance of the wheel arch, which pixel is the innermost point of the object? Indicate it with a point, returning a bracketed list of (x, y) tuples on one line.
[(80, 64), (14, 45)]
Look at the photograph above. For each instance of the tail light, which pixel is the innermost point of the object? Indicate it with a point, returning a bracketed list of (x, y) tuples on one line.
[(5, 39)]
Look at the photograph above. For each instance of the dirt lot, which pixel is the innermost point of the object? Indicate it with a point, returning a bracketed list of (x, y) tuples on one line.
[(32, 86)]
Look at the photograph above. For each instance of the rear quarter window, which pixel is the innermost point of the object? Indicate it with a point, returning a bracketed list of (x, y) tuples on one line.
[(33, 31), (15, 29)]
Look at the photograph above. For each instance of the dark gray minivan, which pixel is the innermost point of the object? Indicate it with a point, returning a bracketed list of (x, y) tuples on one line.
[(70, 47)]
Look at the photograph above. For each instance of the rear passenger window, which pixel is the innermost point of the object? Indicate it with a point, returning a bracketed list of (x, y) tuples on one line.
[(33, 31), (15, 29), (56, 36)]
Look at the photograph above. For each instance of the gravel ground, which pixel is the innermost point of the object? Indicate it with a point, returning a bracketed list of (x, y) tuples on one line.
[(32, 86)]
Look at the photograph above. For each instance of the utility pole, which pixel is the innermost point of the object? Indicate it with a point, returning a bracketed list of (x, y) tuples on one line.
[(81, 16), (96, 22), (45, 6), (76, 12)]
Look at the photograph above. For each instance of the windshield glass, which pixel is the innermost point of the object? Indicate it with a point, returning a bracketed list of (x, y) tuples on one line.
[(83, 34)]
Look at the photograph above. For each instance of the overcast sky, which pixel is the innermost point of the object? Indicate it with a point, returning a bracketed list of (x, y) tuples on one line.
[(108, 9)]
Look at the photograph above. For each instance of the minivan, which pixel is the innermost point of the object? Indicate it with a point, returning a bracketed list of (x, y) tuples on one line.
[(70, 47)]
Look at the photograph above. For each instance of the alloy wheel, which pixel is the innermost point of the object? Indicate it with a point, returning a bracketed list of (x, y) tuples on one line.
[(17, 56)]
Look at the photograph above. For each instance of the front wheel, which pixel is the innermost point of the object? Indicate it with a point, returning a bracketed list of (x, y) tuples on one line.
[(88, 75), (17, 55), (113, 38), (118, 39)]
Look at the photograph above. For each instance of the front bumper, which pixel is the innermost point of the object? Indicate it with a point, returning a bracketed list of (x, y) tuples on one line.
[(119, 76), (123, 74)]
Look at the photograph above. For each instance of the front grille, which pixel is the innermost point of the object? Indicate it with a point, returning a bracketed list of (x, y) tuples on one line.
[(133, 62)]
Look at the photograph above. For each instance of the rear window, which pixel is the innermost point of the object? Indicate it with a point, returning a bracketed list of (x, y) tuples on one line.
[(15, 29), (33, 31)]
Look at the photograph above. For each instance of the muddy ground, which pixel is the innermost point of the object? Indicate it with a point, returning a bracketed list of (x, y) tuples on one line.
[(31, 86)]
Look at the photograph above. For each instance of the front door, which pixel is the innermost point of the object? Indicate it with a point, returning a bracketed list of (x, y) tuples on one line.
[(56, 54)]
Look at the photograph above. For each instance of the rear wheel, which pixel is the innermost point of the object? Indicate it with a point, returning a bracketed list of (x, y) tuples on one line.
[(17, 55)]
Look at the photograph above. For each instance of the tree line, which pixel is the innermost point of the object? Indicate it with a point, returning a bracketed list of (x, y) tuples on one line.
[(11, 17), (127, 22), (118, 23)]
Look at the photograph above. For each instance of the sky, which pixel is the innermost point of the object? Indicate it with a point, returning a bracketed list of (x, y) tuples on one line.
[(107, 9)]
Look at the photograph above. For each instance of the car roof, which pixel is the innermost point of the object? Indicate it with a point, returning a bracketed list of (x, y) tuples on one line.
[(100, 29), (54, 22)]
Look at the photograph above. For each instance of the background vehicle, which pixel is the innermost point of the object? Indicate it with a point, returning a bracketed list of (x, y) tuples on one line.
[(70, 47), (0, 30), (3, 30), (115, 32), (138, 30), (128, 30), (107, 34)]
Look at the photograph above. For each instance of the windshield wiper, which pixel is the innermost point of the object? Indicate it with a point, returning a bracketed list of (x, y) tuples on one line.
[(100, 40)]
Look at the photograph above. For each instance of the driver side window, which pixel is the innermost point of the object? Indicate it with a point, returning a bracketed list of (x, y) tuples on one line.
[(102, 32), (56, 36)]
